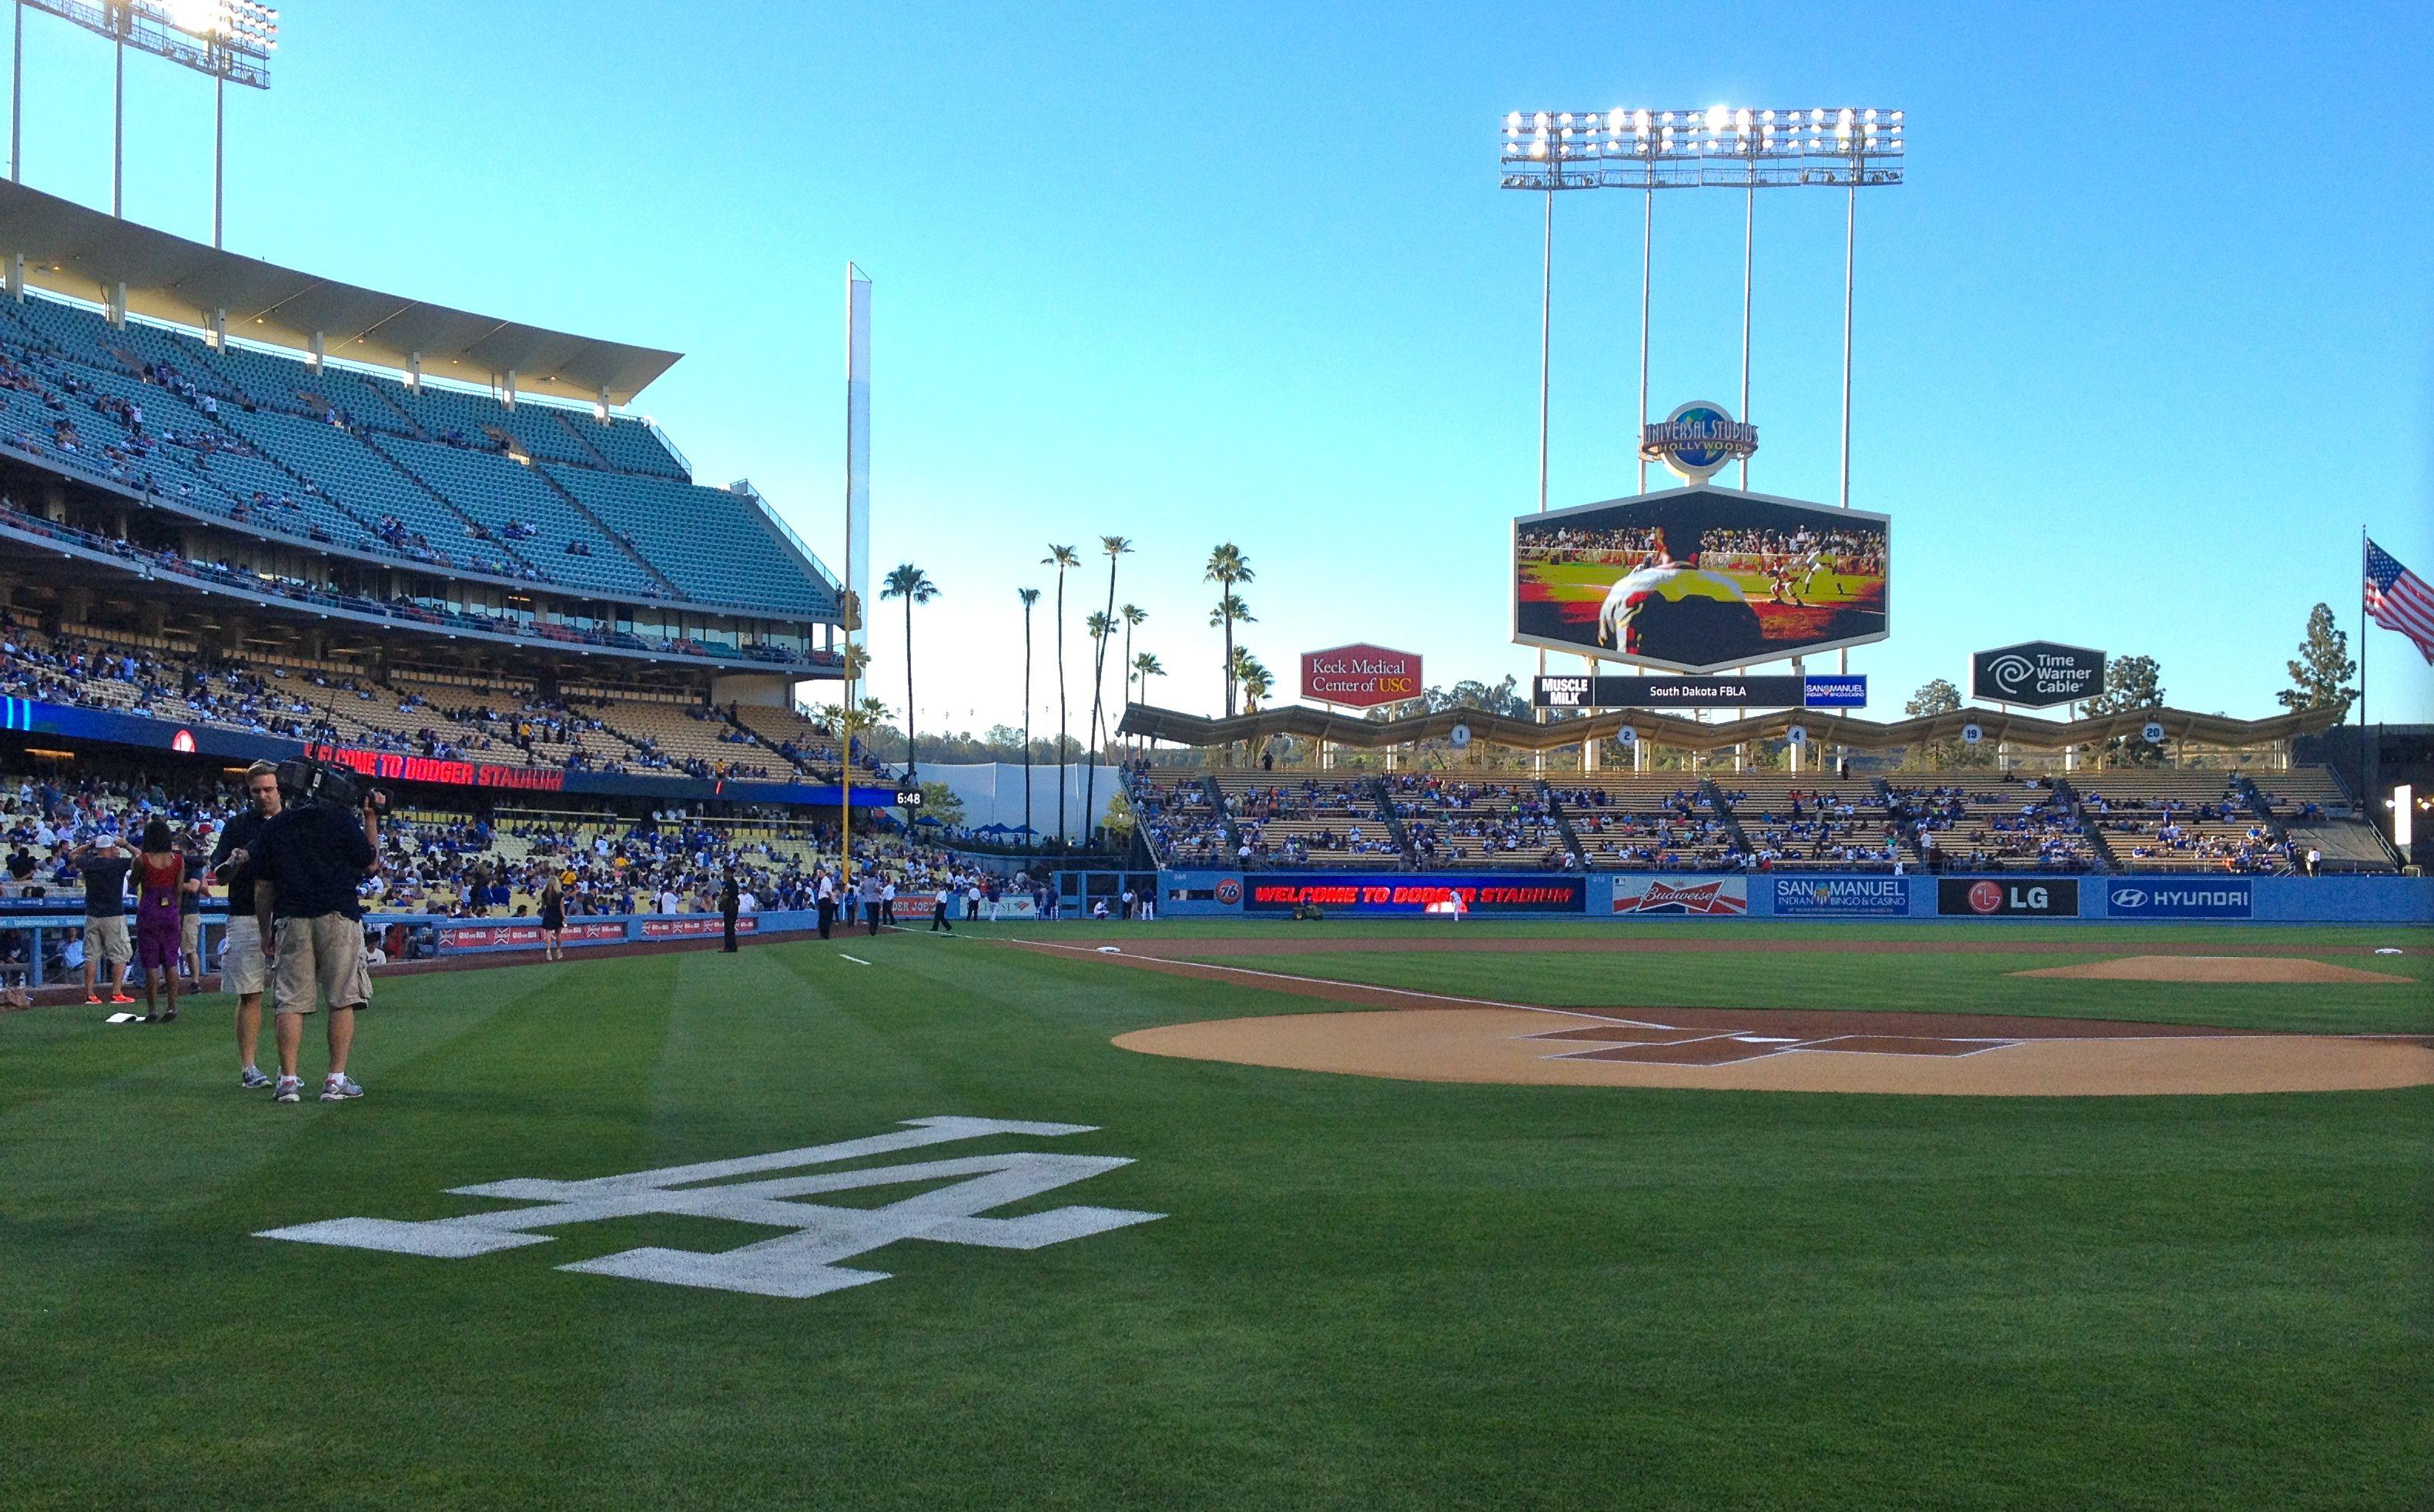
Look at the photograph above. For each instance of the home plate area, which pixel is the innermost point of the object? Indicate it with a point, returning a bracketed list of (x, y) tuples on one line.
[(1662, 1045)]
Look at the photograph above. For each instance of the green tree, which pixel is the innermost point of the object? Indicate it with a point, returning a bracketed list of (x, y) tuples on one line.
[(1252, 678), (939, 802), (1937, 697), (912, 586), (1062, 558), (1226, 568), (2320, 678), (2130, 684)]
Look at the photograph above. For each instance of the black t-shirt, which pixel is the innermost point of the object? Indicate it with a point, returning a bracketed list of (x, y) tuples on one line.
[(242, 833), (312, 856), (105, 884), (22, 864), (189, 902)]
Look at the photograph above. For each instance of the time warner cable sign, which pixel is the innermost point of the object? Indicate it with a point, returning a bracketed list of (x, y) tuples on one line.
[(2229, 897), (2036, 674)]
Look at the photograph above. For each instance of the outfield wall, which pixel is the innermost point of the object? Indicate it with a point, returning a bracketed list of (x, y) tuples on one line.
[(2141, 898)]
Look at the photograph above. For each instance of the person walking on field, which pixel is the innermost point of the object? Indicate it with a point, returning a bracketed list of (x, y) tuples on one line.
[(553, 921), (940, 918), (160, 883), (730, 904)]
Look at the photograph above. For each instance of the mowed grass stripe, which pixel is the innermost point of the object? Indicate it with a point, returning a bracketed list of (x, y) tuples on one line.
[(1366, 1292), (1973, 983)]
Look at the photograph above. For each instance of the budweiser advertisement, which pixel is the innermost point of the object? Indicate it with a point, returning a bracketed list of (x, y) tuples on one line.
[(1696, 897), (1361, 676)]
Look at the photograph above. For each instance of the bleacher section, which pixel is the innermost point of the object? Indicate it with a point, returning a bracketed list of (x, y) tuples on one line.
[(1993, 824), (1631, 822), (1462, 823), (365, 463), (1313, 818), (1794, 823), (1182, 826), (2179, 820), (689, 737)]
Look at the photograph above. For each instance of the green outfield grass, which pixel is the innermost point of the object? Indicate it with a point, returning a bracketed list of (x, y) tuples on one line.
[(1365, 1294), (1973, 982)]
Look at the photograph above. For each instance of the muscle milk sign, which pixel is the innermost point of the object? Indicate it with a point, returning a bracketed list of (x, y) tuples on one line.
[(1360, 677)]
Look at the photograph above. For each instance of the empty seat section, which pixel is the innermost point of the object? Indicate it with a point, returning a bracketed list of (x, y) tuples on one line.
[(509, 499), (414, 525), (705, 539)]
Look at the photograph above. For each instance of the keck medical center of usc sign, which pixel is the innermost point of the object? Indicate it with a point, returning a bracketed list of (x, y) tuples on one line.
[(1361, 676)]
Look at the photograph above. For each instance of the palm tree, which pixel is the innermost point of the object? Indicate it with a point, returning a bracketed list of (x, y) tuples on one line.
[(1145, 667), (1254, 678), (856, 660), (1061, 558), (1116, 547), (912, 586), (849, 718), (1099, 628), (1029, 596), (1227, 566), (1230, 611), (1132, 614)]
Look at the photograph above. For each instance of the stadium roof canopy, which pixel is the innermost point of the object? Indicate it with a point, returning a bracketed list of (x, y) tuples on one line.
[(1822, 727), (71, 249)]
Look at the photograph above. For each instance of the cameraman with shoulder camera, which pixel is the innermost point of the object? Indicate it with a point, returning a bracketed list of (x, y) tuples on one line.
[(312, 856)]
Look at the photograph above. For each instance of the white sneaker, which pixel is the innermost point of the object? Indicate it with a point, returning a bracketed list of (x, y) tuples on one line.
[(288, 1088), (251, 1077), (339, 1089)]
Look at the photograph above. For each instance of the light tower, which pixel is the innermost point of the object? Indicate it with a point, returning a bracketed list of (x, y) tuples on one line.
[(226, 41)]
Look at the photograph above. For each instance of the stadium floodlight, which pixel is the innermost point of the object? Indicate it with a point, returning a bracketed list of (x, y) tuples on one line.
[(229, 41), (1718, 147)]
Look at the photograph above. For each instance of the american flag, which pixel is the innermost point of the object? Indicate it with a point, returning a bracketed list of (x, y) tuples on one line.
[(2398, 598)]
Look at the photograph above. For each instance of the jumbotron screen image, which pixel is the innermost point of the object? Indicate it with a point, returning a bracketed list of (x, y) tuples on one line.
[(1699, 579)]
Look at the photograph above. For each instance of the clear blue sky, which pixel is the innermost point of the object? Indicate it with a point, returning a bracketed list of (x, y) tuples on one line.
[(2142, 343)]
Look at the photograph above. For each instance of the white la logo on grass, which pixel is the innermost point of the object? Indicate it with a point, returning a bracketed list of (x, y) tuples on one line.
[(799, 1264)]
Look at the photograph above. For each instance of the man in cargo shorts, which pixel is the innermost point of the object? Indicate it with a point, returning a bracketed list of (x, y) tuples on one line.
[(243, 968), (104, 864), (312, 857)]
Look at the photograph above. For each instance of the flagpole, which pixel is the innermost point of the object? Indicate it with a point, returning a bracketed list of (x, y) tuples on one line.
[(2366, 756)]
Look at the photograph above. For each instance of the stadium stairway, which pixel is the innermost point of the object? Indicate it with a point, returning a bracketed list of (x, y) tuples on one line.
[(2107, 862), (667, 585), (1715, 800), (587, 451), (1225, 816), (1563, 824), (1905, 823), (1395, 826)]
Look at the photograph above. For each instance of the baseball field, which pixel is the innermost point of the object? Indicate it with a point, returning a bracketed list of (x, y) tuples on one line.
[(760, 1231)]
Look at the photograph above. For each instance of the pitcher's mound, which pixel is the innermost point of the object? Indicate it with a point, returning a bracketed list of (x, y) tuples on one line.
[(2213, 969), (1763, 1051)]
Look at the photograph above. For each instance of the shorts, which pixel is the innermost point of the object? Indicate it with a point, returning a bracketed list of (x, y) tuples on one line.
[(190, 934), (319, 958), (105, 941), (156, 950), (243, 967)]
